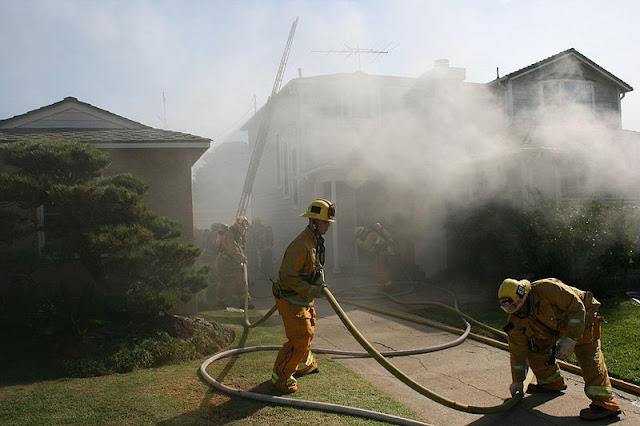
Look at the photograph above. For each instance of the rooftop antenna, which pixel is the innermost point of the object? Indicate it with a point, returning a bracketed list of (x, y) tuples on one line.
[(163, 119), (357, 52)]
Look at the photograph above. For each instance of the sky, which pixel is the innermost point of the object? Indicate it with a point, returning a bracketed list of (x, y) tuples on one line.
[(203, 66)]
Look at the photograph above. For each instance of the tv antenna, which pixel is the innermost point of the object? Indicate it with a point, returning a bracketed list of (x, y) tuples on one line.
[(358, 52), (163, 119)]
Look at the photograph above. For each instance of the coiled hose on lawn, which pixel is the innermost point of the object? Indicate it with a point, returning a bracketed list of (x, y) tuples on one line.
[(370, 351)]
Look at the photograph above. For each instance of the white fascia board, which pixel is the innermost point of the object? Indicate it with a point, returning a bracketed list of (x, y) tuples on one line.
[(596, 68)]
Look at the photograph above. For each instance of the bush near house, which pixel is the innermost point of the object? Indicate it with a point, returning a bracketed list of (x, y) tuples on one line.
[(592, 246), (110, 268)]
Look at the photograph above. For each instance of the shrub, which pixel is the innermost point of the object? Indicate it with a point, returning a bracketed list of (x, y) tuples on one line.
[(590, 246)]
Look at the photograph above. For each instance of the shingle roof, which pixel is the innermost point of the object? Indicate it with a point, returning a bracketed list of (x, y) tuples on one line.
[(71, 100), (149, 135), (120, 131)]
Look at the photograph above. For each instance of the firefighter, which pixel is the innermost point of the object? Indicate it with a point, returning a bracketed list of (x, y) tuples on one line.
[(377, 240), (230, 264), (547, 320), (300, 280)]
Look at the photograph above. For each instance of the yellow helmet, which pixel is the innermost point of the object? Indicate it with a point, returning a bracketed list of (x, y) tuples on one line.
[(242, 221), (512, 294), (321, 209)]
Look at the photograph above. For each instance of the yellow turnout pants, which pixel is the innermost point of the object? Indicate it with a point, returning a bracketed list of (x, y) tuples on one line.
[(295, 356), (597, 385)]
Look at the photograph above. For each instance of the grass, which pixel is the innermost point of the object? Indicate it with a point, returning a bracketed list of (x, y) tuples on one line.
[(175, 394)]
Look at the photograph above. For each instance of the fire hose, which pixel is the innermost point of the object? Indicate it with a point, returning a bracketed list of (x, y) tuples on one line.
[(371, 352), (380, 358)]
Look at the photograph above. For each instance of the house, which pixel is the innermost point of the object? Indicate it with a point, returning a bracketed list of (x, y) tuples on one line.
[(163, 158), (329, 138), (405, 151)]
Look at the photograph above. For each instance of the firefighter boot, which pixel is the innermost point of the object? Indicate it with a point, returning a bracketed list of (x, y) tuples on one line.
[(282, 385), (595, 412), (557, 386)]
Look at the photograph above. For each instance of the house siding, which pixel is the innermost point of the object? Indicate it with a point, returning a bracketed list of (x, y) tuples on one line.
[(318, 119), (526, 93), (168, 173)]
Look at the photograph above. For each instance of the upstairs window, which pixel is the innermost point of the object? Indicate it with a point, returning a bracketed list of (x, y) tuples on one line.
[(565, 93)]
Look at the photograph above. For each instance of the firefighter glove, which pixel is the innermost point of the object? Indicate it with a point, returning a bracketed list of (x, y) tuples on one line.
[(516, 387), (565, 347), (318, 290)]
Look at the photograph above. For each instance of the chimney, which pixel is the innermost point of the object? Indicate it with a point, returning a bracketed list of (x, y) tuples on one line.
[(441, 63), (442, 71)]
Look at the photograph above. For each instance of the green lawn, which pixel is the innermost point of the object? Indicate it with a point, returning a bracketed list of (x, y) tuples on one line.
[(175, 395)]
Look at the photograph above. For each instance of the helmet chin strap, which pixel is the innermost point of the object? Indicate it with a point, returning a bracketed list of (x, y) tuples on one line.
[(523, 312), (320, 240)]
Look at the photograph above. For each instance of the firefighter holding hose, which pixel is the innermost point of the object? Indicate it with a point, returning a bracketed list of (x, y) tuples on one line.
[(300, 280), (547, 320), (230, 265)]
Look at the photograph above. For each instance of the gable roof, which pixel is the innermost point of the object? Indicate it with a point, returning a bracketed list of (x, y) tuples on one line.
[(71, 119), (559, 56)]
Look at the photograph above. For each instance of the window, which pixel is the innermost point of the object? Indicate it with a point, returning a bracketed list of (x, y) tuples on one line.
[(562, 93)]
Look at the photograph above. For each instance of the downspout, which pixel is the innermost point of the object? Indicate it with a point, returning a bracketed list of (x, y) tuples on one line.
[(621, 96)]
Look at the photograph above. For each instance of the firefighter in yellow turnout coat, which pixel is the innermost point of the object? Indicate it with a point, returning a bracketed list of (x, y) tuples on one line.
[(300, 280), (547, 320), (230, 264)]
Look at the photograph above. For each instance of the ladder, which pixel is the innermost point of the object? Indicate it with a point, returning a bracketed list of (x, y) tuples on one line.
[(263, 130)]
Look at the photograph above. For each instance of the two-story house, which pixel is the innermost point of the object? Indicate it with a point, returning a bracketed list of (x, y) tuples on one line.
[(403, 151)]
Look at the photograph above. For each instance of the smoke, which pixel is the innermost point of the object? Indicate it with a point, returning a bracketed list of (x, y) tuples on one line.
[(442, 138)]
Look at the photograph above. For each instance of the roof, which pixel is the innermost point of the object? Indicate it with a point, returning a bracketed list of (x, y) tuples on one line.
[(327, 79), (107, 136), (569, 52), (71, 119)]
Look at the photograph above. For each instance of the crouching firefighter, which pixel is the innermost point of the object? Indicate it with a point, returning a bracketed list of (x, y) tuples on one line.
[(547, 320), (300, 280)]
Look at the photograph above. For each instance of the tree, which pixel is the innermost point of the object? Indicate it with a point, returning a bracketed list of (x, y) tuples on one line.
[(134, 261)]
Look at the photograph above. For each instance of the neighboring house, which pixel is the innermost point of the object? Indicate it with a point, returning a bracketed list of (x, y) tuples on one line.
[(404, 151), (163, 158)]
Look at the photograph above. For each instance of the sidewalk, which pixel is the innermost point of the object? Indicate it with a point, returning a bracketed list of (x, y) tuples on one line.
[(472, 373)]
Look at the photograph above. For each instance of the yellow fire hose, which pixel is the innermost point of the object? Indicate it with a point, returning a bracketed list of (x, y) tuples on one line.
[(380, 358), (246, 304), (409, 381)]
